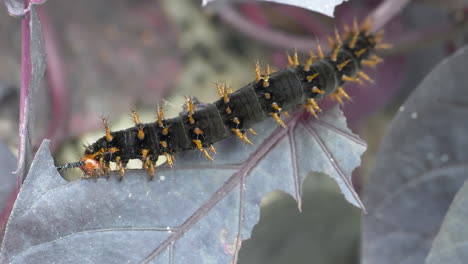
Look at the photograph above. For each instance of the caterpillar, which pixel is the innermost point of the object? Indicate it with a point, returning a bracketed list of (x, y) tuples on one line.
[(271, 94)]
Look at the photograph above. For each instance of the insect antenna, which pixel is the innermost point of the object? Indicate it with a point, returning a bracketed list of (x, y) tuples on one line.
[(71, 165)]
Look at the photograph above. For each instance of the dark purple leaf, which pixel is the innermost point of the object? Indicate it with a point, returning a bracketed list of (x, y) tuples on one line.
[(420, 167), (33, 68), (451, 243), (197, 212)]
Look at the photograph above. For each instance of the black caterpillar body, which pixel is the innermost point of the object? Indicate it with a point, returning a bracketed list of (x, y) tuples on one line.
[(268, 96)]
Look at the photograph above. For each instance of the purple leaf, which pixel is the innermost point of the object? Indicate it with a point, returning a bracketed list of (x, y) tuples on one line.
[(33, 68), (198, 211), (325, 7), (450, 244), (420, 167)]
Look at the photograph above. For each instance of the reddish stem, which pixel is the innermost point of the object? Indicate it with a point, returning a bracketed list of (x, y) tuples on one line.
[(24, 93)]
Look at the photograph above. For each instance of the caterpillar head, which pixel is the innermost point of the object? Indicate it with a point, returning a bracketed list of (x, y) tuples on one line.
[(91, 167)]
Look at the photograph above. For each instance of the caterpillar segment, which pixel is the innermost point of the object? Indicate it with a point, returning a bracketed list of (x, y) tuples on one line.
[(271, 94), (234, 120)]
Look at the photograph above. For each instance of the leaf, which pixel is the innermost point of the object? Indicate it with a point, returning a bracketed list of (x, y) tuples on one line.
[(327, 229), (33, 68), (325, 7), (7, 186), (420, 167), (33, 64), (196, 212), (15, 7), (37, 2), (7, 179), (451, 243)]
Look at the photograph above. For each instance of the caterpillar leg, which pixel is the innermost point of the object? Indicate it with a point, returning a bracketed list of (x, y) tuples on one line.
[(241, 135), (148, 162), (149, 166), (252, 131), (278, 119), (105, 168), (169, 158), (312, 107), (212, 149), (120, 167), (199, 145)]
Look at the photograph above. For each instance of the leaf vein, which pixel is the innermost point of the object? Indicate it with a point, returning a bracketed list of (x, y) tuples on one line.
[(228, 186)]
